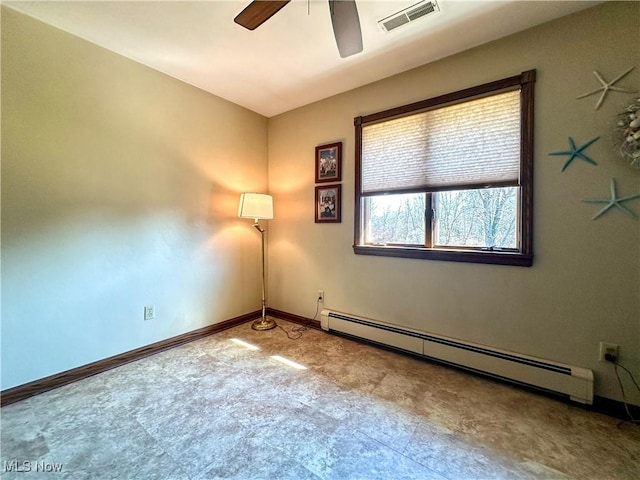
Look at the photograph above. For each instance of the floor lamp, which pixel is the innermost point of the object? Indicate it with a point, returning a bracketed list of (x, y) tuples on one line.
[(259, 207)]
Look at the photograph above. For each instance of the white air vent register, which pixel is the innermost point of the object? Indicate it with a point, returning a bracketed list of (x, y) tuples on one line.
[(408, 15)]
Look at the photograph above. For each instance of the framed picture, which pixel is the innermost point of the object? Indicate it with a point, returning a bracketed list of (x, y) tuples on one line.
[(328, 203), (328, 163)]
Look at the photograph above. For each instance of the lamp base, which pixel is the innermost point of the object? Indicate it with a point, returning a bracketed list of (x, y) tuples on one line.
[(264, 324)]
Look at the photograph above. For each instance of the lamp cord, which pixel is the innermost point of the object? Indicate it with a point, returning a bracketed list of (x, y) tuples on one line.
[(631, 419), (296, 332)]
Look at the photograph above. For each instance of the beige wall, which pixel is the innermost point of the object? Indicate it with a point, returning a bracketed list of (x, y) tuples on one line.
[(584, 286), (119, 189)]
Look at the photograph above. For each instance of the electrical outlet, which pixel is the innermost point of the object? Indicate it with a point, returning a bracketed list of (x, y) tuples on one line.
[(320, 297), (149, 312), (608, 348)]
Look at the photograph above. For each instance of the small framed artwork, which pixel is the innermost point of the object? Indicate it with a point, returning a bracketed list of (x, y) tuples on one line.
[(328, 163), (328, 203)]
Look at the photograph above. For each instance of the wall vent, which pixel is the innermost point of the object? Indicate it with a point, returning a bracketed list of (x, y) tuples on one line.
[(408, 15)]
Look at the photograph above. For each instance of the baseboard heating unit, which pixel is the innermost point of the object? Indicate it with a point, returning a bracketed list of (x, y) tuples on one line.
[(575, 382)]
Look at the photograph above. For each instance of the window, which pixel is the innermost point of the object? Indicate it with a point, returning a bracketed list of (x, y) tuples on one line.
[(449, 178)]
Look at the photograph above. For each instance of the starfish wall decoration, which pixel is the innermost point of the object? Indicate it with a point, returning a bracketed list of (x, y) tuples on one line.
[(614, 201), (574, 152), (606, 86)]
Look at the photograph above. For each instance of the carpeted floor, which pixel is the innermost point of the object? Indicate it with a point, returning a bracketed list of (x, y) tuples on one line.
[(216, 408)]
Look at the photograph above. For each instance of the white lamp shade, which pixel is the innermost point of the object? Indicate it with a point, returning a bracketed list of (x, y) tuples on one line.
[(256, 205)]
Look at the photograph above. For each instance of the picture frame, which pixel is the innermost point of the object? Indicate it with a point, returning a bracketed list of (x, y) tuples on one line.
[(329, 163), (328, 203)]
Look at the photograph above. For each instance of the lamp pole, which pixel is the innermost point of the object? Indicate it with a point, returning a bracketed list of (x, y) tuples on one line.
[(264, 323)]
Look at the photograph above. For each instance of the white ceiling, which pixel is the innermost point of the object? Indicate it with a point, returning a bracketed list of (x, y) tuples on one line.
[(292, 59)]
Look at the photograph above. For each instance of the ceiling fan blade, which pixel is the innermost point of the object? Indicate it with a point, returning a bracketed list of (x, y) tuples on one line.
[(346, 26), (258, 12)]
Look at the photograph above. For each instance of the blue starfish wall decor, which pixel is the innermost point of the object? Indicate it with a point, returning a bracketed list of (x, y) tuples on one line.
[(614, 201), (574, 152), (606, 87)]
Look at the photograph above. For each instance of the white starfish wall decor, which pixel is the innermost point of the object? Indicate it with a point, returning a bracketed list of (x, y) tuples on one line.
[(606, 87)]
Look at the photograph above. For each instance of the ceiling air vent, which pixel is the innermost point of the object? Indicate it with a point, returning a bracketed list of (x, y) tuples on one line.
[(408, 15)]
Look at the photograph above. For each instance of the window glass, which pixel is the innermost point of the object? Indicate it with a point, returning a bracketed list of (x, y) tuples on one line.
[(396, 219), (483, 218)]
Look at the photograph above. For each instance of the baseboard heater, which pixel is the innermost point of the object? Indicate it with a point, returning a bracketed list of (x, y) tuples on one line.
[(575, 382)]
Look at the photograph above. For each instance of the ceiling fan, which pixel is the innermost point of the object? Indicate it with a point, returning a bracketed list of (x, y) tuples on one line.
[(344, 19)]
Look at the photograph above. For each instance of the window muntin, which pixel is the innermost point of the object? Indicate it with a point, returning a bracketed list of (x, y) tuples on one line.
[(463, 150)]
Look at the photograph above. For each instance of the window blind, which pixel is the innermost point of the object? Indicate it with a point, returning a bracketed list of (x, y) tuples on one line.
[(475, 143)]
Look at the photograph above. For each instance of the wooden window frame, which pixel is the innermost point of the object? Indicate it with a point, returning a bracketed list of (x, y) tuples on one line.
[(524, 256)]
